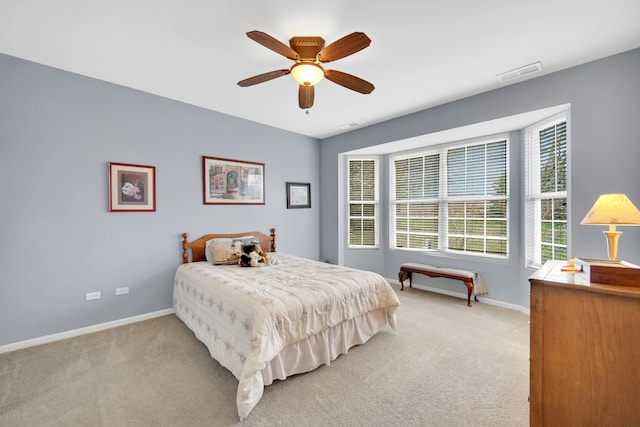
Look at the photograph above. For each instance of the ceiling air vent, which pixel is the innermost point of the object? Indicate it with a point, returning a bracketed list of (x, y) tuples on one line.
[(349, 125), (520, 72)]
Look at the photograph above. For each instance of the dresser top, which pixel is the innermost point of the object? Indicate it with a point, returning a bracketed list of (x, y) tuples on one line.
[(551, 274)]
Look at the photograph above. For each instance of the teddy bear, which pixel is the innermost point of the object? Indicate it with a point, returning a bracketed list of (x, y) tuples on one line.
[(268, 260), (251, 256), (236, 251)]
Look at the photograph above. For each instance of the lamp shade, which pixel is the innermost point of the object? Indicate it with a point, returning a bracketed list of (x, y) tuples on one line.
[(307, 73), (612, 209)]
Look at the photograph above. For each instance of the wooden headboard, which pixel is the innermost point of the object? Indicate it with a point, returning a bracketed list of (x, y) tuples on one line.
[(267, 243)]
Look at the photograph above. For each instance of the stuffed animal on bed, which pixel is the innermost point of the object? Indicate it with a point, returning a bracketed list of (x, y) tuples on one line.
[(252, 256), (268, 260), (237, 248), (236, 251)]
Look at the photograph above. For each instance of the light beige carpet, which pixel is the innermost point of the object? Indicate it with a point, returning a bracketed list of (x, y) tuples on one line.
[(446, 365)]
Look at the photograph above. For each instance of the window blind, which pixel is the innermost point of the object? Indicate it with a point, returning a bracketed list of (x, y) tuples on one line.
[(415, 202), (546, 191), (477, 208), (363, 203), (453, 198)]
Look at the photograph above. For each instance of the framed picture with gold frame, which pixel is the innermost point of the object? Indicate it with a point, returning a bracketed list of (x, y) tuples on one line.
[(232, 182)]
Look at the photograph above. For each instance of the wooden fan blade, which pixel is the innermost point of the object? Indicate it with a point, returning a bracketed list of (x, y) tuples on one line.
[(305, 96), (345, 46), (274, 44), (260, 78), (349, 81)]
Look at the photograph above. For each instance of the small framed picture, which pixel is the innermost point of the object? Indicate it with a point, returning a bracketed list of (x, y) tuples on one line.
[(232, 182), (132, 188), (298, 195)]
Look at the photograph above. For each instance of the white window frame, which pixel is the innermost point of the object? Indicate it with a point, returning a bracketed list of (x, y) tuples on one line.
[(426, 237), (443, 198), (533, 193), (375, 203), (477, 198)]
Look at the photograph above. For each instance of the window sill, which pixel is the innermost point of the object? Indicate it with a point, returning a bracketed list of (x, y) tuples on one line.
[(454, 255)]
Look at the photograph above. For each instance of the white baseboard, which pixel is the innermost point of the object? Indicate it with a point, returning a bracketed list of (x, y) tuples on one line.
[(483, 298), (82, 331), (121, 322)]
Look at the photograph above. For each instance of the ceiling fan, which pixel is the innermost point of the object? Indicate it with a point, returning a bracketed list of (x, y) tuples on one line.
[(308, 53)]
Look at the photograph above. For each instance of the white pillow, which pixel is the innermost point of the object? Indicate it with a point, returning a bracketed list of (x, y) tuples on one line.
[(227, 250)]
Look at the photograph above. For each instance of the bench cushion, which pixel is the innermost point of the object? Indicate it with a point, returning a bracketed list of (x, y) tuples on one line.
[(479, 288)]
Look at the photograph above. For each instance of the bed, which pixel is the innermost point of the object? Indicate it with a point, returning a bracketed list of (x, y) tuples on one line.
[(289, 317)]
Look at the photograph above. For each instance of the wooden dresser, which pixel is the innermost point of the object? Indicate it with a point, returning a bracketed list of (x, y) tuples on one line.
[(585, 351)]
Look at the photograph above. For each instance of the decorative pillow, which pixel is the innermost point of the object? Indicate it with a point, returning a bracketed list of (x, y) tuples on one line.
[(224, 250)]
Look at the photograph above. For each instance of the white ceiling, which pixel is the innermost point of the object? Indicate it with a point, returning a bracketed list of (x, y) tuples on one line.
[(423, 53)]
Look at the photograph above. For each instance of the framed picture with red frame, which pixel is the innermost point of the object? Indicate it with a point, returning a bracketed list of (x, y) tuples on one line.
[(132, 188)]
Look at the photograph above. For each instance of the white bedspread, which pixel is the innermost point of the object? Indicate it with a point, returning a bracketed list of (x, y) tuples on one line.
[(246, 316)]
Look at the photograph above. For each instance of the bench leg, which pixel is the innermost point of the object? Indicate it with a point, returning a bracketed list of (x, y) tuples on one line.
[(469, 286), (402, 276)]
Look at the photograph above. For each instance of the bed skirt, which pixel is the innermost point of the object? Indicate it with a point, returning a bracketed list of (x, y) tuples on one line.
[(323, 348), (297, 358)]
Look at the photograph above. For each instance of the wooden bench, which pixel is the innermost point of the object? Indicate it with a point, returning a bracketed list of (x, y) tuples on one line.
[(407, 270)]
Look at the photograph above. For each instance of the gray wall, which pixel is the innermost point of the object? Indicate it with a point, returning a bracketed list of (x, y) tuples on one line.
[(605, 150), (58, 131)]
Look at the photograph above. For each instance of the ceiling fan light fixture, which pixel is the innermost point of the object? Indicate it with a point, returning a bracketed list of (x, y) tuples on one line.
[(308, 52), (307, 73)]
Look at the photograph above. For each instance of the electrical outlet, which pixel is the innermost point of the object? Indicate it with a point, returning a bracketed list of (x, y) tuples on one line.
[(93, 295), (122, 291)]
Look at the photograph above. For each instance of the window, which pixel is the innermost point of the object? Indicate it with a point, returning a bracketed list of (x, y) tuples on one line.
[(451, 199), (363, 203), (417, 203), (546, 191), (477, 198)]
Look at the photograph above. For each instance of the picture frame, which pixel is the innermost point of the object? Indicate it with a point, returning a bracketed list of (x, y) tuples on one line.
[(232, 182), (132, 188), (298, 195)]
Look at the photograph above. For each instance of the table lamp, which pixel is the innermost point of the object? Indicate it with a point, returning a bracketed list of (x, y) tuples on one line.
[(612, 210)]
